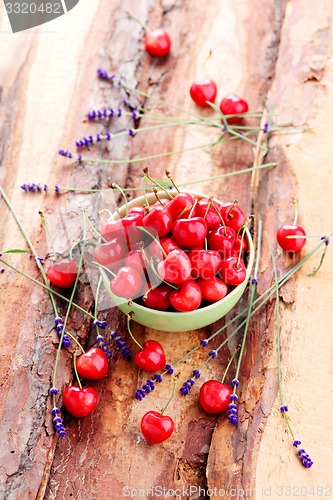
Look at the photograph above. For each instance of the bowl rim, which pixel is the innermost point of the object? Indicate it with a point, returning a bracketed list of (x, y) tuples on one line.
[(141, 200)]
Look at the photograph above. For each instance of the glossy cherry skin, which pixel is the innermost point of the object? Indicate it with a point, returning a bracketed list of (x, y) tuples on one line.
[(223, 240), (110, 254), (212, 289), (231, 104), (214, 396), (176, 267), (159, 219), (205, 209), (151, 358), (135, 260), (128, 283), (156, 427), (291, 244), (188, 298), (137, 210), (93, 364), (181, 205), (80, 402), (233, 216), (168, 244), (191, 232), (203, 90), (158, 298), (62, 273), (232, 271), (205, 263), (157, 43)]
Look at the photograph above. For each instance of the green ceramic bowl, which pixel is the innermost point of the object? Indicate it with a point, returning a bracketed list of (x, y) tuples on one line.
[(180, 321)]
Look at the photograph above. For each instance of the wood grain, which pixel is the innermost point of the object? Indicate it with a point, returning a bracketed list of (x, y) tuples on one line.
[(48, 82)]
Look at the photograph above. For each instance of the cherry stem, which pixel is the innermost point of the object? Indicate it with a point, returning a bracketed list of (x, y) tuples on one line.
[(155, 191), (106, 211), (146, 174), (170, 398), (135, 18), (221, 218), (192, 209), (98, 234), (104, 267), (243, 228), (75, 369), (186, 209), (168, 174), (295, 203), (129, 317), (154, 238), (229, 363), (234, 203), (115, 186)]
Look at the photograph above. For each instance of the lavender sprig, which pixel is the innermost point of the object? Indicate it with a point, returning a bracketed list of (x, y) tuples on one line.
[(302, 455), (148, 387), (122, 344), (57, 422)]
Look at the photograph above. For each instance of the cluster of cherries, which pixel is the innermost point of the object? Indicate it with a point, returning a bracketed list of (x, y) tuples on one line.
[(179, 254)]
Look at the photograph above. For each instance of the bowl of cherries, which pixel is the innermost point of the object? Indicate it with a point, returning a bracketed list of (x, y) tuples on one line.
[(176, 260)]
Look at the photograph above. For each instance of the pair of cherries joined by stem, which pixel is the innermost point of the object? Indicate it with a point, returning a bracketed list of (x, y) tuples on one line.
[(204, 91), (192, 257), (92, 365)]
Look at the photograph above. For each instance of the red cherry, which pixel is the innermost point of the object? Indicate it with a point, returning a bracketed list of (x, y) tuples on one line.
[(128, 283), (137, 210), (205, 209), (188, 298), (62, 273), (135, 260), (214, 396), (212, 289), (180, 202), (223, 240), (157, 42), (233, 105), (168, 244), (151, 358), (232, 271), (158, 298), (191, 232), (233, 215), (156, 427), (110, 254), (159, 219), (176, 267), (202, 91), (291, 244), (205, 263), (80, 402), (93, 364), (109, 230)]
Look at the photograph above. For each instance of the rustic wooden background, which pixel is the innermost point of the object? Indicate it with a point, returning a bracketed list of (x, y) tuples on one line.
[(279, 52)]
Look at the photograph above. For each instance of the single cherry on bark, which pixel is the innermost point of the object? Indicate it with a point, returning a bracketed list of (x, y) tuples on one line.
[(63, 273), (231, 104), (157, 427), (286, 234), (151, 356), (203, 90), (93, 364), (157, 42)]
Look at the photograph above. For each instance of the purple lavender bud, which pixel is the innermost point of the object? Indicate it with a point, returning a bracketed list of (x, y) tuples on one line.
[(235, 382), (266, 127), (55, 411), (54, 391), (158, 377), (212, 354), (203, 342), (131, 132), (325, 239), (120, 112), (233, 397), (196, 373), (45, 187), (79, 158), (151, 384), (283, 408), (24, 187), (169, 369), (254, 281), (296, 442)]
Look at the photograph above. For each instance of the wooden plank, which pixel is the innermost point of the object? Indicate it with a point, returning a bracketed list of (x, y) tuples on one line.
[(44, 111)]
